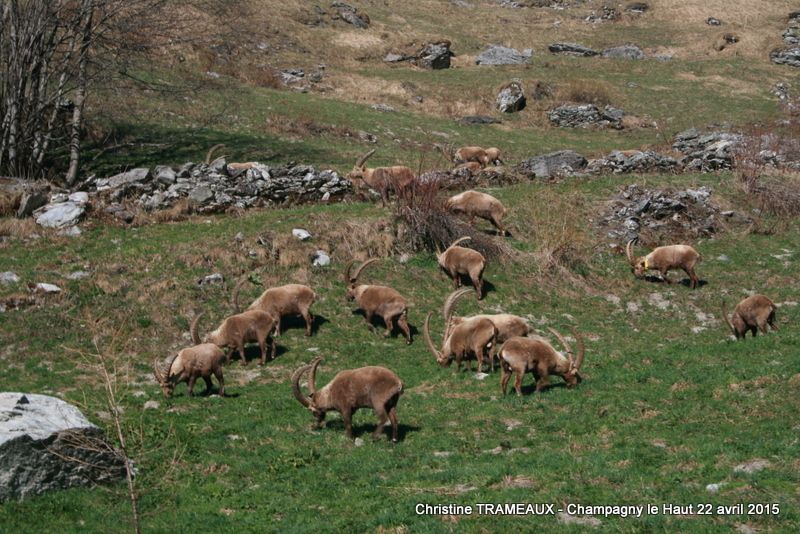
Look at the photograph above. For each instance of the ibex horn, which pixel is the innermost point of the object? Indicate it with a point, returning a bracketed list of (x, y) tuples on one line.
[(193, 329), (426, 330), (360, 161), (361, 267), (296, 386)]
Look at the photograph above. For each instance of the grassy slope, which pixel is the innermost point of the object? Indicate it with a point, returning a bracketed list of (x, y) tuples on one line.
[(662, 413)]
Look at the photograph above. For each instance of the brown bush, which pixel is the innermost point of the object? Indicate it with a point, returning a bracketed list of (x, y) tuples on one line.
[(585, 92)]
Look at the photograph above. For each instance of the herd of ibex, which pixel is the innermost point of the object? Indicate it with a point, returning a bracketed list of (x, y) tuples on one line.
[(480, 337)]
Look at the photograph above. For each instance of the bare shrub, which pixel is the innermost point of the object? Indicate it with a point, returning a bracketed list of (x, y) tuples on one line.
[(424, 224)]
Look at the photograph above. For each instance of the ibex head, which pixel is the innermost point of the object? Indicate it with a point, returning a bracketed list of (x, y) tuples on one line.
[(572, 377), (358, 174), (162, 376), (638, 264), (309, 401), (352, 280)]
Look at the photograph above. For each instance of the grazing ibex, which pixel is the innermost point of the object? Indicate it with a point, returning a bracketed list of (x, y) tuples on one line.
[(237, 330), (493, 156), (200, 361), (536, 355), (751, 314), (469, 338), (476, 204), (367, 387), (459, 261), (291, 299), (377, 300), (381, 179), (664, 259), (507, 325), (479, 155)]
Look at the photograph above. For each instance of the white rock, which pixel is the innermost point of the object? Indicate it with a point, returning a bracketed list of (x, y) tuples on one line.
[(78, 275), (480, 376), (47, 288), (714, 488), (79, 197), (151, 405), (301, 234), (8, 278), (358, 442), (60, 215), (321, 259)]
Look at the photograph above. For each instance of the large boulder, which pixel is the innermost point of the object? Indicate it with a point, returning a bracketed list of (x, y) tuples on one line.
[(434, 56), (788, 56), (511, 98), (131, 177), (561, 163), (572, 49), (585, 116), (628, 51), (47, 444), (62, 211), (502, 55)]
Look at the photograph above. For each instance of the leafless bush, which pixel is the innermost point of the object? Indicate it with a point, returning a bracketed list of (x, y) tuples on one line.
[(425, 224)]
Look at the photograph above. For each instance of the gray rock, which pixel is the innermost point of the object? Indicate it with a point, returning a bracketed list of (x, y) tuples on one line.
[(794, 16), (502, 55), (351, 15), (561, 163), (511, 98), (627, 51), (712, 21), (791, 36), (788, 56), (663, 57), (586, 115), (706, 152), (301, 234), (632, 161), (637, 7), (43, 287), (215, 278), (572, 49), (607, 13), (385, 108), (165, 175), (201, 195), (131, 177), (714, 488), (753, 466), (291, 76), (396, 58), (8, 278), (30, 202), (434, 56), (60, 215), (47, 444), (78, 275), (479, 119), (151, 405), (320, 259)]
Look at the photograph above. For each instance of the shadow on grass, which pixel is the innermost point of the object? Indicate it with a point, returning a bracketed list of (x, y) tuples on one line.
[(365, 430), (686, 282), (296, 321)]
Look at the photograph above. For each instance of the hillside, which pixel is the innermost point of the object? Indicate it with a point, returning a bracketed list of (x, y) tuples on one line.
[(671, 409)]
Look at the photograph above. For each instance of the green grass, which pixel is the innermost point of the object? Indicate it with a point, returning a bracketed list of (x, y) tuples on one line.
[(662, 411)]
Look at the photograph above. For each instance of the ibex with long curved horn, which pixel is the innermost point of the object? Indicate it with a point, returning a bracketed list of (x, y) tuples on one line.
[(367, 387), (382, 301), (664, 259), (752, 314), (283, 301), (507, 325), (380, 179), (200, 361), (459, 261), (536, 355), (246, 327), (469, 338), (476, 204)]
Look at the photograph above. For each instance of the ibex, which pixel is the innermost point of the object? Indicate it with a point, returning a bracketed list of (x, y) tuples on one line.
[(291, 299), (367, 387), (664, 259), (469, 338), (493, 156), (237, 330), (381, 179), (475, 204), (459, 261), (507, 325), (751, 314), (200, 361), (536, 355), (377, 300), (476, 154)]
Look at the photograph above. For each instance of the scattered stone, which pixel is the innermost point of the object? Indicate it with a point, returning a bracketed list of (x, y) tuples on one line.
[(711, 21), (781, 90), (663, 57), (320, 259), (78, 275), (632, 161), (434, 56), (215, 278), (714, 488), (129, 178), (586, 115), (480, 376), (511, 98), (606, 13), (572, 49), (628, 51), (358, 442), (151, 405), (475, 120), (502, 55), (62, 211), (301, 234), (385, 108), (8, 278), (165, 175), (587, 521), (554, 164), (788, 56), (396, 58), (292, 76), (637, 7), (47, 444), (351, 15), (201, 195), (706, 152), (753, 466), (42, 287)]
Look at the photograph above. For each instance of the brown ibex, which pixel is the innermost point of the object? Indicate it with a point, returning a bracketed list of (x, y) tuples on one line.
[(189, 364), (380, 179), (536, 355), (507, 325), (367, 387), (291, 299), (469, 338), (664, 259), (382, 301), (493, 156), (751, 314), (476, 154), (459, 261), (237, 330), (476, 204)]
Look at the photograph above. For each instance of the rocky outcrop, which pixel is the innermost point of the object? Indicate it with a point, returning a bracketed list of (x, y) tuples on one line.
[(706, 152), (632, 161), (572, 49), (511, 98), (554, 164), (787, 56), (47, 444), (351, 15), (606, 13), (434, 56), (502, 55), (585, 116)]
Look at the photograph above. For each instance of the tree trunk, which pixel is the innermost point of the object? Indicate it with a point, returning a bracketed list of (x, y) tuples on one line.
[(80, 93)]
